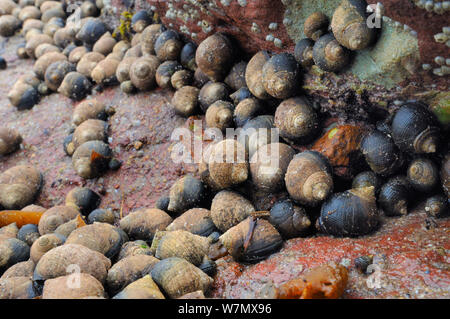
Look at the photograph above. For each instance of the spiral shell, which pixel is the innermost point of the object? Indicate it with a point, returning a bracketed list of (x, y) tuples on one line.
[(246, 110), (143, 223), (55, 217), (280, 75), (290, 220), (423, 174), (91, 31), (56, 72), (185, 100), (437, 206), (143, 71), (228, 209), (220, 115), (367, 179), (395, 196), (149, 36), (253, 74), (143, 288), (197, 221), (43, 244), (89, 109), (212, 92), (168, 45), (165, 71), (329, 55), (315, 25), (41, 65), (303, 52)]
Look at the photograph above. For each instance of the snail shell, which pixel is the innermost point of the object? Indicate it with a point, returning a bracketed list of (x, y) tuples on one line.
[(143, 288), (21, 52), (308, 178), (381, 154), (236, 77), (415, 129), (105, 44), (89, 109), (17, 288), (12, 251), (101, 216), (349, 25), (240, 95), (123, 69), (185, 100), (445, 174), (121, 47), (394, 196), (140, 21), (23, 96), (254, 72), (43, 244), (143, 223), (296, 120), (214, 56), (351, 213), (149, 36), (64, 36), (105, 71), (197, 221), (19, 186), (212, 92), (220, 115), (68, 49), (9, 231), (88, 62), (200, 78), (367, 179), (77, 53), (55, 217), (53, 25), (88, 9), (143, 71), (9, 24), (127, 87), (256, 133), (303, 52), (437, 206), (41, 65), (423, 174), (56, 11), (329, 55), (21, 269), (83, 199), (134, 248), (28, 234), (88, 286), (185, 193), (182, 244), (136, 52), (290, 220), (269, 164), (168, 45), (29, 12), (44, 48), (187, 56), (91, 159), (279, 75), (228, 209), (10, 140), (227, 164), (315, 25), (246, 110), (91, 31), (32, 24), (264, 241), (177, 277), (181, 78), (7, 7), (75, 86), (56, 72), (165, 71)]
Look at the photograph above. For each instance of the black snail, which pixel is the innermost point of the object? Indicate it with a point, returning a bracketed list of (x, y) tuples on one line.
[(290, 220), (395, 196), (303, 52), (437, 206), (367, 179), (329, 55)]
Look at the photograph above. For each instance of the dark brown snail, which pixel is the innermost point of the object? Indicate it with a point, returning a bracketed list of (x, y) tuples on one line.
[(329, 55), (367, 179), (187, 192), (212, 92), (149, 36), (395, 196), (437, 206), (315, 25), (143, 71), (268, 166), (381, 154), (423, 175), (296, 120), (168, 46), (91, 31), (75, 86), (246, 110), (165, 71), (91, 159), (220, 115), (351, 213), (140, 21), (144, 223), (181, 78), (10, 140), (290, 220), (43, 244), (196, 220), (185, 100), (349, 25), (279, 75), (105, 44), (236, 77), (101, 216), (253, 74), (214, 56), (83, 199), (228, 209), (187, 56), (445, 175), (415, 129), (303, 52), (309, 178), (89, 109), (56, 72)]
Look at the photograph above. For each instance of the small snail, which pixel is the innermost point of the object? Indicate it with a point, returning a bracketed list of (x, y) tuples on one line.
[(123, 69), (10, 140), (296, 120), (240, 95), (351, 213), (41, 65), (415, 129), (88, 9), (77, 53), (149, 36), (168, 46), (7, 6), (91, 31), (144, 223), (88, 62), (349, 25), (367, 179), (9, 231), (329, 55), (290, 220), (303, 52), (236, 77), (43, 244), (187, 56), (268, 166), (143, 71), (64, 36), (133, 248), (87, 286), (140, 21), (308, 178), (83, 199), (423, 175), (165, 71), (21, 52), (214, 56), (105, 44), (187, 192), (437, 206), (181, 78), (127, 87), (135, 51), (89, 109), (9, 24), (101, 216), (56, 72), (198, 221), (200, 78), (395, 196), (121, 47), (55, 11), (75, 86), (220, 115), (246, 110), (23, 95), (29, 12), (279, 75), (91, 159), (253, 74), (105, 71), (143, 288), (381, 154), (56, 216), (315, 25), (212, 92), (12, 251), (44, 48), (28, 234), (228, 209), (256, 133), (185, 100)]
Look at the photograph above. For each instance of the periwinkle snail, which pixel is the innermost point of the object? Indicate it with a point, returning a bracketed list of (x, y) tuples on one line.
[(83, 199), (246, 110), (253, 74), (290, 220), (367, 179), (220, 115), (236, 77), (395, 196), (214, 56), (140, 21), (279, 75), (437, 206), (91, 159), (165, 71), (329, 55), (303, 52), (10, 140), (75, 86), (315, 25), (185, 100), (423, 174), (212, 92), (168, 45), (186, 193)]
